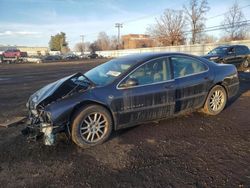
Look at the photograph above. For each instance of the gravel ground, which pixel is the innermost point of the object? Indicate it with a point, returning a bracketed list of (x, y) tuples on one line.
[(193, 150)]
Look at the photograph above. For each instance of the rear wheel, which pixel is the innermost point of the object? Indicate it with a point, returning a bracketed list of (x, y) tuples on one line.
[(92, 125), (216, 100), (245, 63)]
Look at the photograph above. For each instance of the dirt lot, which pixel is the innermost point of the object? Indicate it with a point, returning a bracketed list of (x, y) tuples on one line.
[(194, 150)]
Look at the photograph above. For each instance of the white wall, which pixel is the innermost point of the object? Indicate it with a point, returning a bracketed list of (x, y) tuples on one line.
[(54, 52), (196, 49)]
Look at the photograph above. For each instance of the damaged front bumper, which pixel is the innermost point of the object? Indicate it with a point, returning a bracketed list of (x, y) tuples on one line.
[(39, 125)]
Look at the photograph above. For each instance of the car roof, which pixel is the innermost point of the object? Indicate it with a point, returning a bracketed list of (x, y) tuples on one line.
[(142, 57), (227, 45)]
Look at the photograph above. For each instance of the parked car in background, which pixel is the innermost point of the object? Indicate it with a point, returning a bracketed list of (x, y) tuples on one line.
[(70, 57), (34, 59), (92, 55), (128, 91), (83, 56), (14, 56), (52, 58), (238, 55)]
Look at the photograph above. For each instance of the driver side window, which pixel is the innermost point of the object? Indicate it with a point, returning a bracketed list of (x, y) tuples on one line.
[(152, 72)]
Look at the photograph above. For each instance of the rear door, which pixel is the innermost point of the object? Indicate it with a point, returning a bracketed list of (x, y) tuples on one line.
[(152, 98), (193, 82)]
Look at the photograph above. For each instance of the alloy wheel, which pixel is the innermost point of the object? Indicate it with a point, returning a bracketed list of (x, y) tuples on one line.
[(217, 100), (93, 127)]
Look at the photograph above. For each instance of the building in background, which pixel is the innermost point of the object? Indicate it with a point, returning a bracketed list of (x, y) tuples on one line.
[(131, 41), (30, 50), (34, 50)]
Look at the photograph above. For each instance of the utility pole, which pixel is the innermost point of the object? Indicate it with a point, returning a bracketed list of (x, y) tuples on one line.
[(118, 25), (82, 40)]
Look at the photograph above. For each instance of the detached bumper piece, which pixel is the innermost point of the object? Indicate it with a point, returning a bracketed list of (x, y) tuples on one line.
[(49, 137), (36, 130)]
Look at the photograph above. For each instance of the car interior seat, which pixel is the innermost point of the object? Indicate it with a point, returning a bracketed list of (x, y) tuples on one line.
[(157, 72)]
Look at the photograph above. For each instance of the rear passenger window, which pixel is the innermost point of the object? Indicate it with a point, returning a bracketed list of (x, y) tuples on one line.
[(184, 66)]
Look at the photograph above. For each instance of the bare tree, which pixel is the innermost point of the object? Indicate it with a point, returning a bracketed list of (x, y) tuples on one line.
[(103, 41), (234, 23), (79, 47), (65, 49), (93, 47), (168, 29), (86, 46), (208, 39), (113, 43), (195, 13)]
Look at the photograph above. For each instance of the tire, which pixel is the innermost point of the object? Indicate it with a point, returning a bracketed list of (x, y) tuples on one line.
[(245, 63), (216, 101), (88, 121)]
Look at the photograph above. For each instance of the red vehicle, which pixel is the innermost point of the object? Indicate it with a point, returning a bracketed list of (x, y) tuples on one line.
[(14, 56)]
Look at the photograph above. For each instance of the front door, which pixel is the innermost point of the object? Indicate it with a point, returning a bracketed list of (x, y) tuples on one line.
[(152, 98)]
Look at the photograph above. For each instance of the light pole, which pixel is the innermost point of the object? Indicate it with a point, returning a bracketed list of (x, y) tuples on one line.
[(82, 40), (118, 25)]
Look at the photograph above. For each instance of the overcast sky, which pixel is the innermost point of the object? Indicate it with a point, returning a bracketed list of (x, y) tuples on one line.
[(32, 22)]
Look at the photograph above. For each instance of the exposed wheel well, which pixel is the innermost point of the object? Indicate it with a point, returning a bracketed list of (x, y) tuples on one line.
[(87, 103)]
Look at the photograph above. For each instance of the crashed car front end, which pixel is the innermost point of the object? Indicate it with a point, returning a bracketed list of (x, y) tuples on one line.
[(40, 124), (49, 104)]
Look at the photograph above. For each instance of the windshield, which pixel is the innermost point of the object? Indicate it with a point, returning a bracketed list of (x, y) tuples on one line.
[(108, 72), (219, 50)]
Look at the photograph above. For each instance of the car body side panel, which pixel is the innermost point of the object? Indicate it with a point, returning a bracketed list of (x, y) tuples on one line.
[(145, 103), (192, 91), (227, 75), (234, 59), (61, 109)]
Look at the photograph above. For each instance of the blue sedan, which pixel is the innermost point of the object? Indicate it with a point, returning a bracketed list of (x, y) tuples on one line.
[(128, 91)]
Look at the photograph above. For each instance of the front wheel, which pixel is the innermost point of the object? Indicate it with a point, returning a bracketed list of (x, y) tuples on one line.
[(92, 125), (216, 101)]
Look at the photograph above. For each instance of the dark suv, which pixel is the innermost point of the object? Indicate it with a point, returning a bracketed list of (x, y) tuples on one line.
[(239, 55)]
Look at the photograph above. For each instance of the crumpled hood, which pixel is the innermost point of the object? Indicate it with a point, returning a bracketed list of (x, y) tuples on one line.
[(47, 91)]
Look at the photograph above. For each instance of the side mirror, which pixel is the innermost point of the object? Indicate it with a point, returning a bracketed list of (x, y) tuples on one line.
[(130, 83)]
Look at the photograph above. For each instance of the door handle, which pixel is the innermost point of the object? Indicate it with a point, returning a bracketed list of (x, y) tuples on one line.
[(206, 78)]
